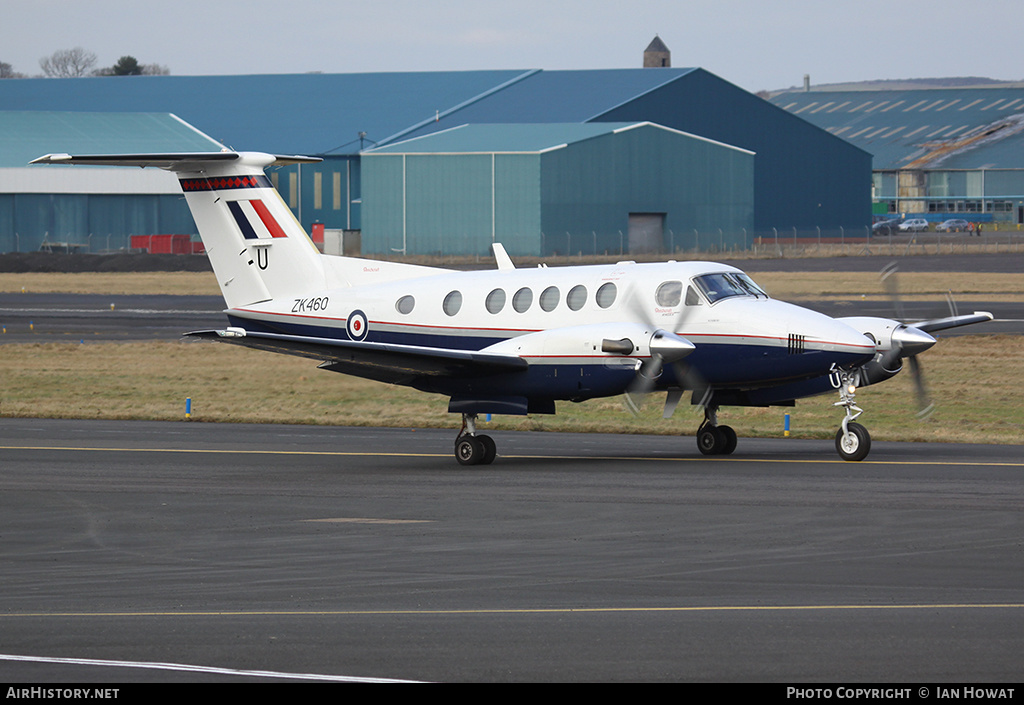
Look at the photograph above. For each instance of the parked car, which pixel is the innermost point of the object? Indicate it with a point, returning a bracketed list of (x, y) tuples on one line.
[(886, 227), (955, 225), (914, 225)]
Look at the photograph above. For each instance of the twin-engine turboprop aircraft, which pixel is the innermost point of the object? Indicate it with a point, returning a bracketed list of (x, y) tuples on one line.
[(516, 341)]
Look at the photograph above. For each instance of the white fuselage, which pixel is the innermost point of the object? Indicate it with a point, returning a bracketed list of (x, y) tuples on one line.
[(558, 317)]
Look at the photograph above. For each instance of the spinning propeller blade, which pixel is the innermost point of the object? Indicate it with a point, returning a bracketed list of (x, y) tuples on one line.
[(665, 346), (909, 341)]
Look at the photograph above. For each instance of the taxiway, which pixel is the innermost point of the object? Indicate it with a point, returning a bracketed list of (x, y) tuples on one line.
[(185, 551)]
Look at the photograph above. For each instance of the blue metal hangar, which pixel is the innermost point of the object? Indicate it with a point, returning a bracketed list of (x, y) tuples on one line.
[(622, 160), (939, 153)]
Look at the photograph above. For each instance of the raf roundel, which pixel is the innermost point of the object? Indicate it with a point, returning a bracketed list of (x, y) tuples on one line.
[(357, 326)]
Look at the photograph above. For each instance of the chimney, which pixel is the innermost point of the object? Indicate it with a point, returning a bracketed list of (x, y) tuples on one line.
[(807, 83)]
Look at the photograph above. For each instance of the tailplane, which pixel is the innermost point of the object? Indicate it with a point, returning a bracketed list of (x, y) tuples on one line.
[(258, 250)]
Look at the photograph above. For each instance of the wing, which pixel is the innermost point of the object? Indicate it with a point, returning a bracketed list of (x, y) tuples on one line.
[(953, 321), (384, 362)]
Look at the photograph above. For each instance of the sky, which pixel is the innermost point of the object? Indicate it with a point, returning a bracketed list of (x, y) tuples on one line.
[(757, 45)]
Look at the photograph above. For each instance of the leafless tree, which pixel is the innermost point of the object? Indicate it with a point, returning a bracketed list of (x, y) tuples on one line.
[(68, 63), (7, 71)]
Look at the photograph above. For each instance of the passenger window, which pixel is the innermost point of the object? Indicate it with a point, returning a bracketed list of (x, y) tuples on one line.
[(669, 294), (405, 304), (495, 300), (522, 300), (549, 298), (606, 295), (577, 297), (452, 303)]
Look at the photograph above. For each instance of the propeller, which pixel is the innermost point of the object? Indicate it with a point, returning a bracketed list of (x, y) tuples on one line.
[(908, 342), (666, 347)]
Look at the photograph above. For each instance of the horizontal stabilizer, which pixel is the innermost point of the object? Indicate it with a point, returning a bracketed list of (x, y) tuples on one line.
[(385, 362), (173, 161)]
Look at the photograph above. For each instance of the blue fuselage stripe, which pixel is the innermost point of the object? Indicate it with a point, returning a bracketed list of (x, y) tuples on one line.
[(725, 362)]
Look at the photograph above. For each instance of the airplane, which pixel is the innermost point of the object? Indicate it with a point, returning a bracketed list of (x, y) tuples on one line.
[(517, 340)]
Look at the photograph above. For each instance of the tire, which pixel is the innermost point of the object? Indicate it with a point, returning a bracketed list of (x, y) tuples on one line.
[(730, 440), (710, 440), (855, 445), (469, 450), (490, 450)]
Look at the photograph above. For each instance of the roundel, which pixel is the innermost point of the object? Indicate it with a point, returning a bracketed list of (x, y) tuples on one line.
[(357, 325)]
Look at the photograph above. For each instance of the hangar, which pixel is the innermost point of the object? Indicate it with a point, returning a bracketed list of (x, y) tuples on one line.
[(938, 152), (90, 209), (803, 178), (610, 188)]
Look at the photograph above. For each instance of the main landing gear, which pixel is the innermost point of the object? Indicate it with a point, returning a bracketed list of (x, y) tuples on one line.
[(853, 442), (471, 449), (713, 439)]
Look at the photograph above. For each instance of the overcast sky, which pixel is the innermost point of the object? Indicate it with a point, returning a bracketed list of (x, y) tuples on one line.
[(756, 44)]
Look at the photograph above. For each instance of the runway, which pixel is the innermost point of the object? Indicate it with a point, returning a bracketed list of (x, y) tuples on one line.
[(145, 551)]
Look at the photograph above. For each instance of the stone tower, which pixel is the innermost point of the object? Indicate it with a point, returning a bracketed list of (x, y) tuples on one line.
[(657, 55)]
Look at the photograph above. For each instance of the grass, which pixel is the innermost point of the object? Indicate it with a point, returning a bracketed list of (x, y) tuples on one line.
[(174, 283), (974, 380)]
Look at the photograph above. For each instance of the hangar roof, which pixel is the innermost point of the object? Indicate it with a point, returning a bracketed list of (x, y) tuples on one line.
[(942, 128), (323, 114), (524, 138), (25, 135), (498, 138)]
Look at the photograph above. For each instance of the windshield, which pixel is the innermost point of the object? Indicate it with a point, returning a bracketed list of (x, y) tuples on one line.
[(716, 287)]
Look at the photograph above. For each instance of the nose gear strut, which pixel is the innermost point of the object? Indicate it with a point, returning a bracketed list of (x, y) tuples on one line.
[(853, 442)]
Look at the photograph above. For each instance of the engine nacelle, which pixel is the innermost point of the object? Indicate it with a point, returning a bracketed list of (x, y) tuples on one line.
[(893, 341)]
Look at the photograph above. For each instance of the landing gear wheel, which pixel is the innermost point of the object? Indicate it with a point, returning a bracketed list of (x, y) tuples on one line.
[(710, 440), (855, 444), (475, 450), (730, 440), (469, 450), (490, 449)]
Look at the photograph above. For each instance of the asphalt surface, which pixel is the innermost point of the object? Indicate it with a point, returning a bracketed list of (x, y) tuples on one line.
[(177, 552)]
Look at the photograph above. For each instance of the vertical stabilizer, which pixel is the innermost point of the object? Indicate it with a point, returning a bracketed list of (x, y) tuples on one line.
[(258, 249)]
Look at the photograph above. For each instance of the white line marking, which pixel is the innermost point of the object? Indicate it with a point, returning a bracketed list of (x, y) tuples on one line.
[(198, 669)]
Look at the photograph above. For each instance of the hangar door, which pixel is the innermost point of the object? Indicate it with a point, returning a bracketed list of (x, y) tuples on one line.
[(646, 233)]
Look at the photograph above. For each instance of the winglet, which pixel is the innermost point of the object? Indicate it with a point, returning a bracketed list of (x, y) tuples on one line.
[(501, 257)]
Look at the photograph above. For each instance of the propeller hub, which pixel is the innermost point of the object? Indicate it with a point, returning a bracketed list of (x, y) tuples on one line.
[(670, 347), (912, 341)]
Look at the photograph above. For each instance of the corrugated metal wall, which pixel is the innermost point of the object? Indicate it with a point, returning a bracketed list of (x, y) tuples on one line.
[(590, 189), (578, 198), (98, 222), (451, 203)]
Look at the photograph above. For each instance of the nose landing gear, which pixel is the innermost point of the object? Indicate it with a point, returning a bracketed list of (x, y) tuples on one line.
[(853, 442)]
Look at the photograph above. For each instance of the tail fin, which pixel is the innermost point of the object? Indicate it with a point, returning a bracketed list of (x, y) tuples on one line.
[(258, 249)]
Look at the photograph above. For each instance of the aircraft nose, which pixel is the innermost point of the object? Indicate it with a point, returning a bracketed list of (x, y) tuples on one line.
[(846, 339)]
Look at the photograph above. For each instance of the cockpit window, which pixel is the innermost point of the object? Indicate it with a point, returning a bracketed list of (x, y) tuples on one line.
[(727, 284)]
